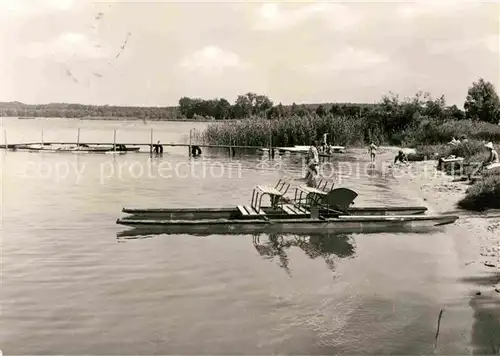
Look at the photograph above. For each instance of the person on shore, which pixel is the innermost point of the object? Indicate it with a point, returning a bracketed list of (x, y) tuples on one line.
[(463, 139), (373, 151), (454, 142), (493, 158), (401, 157), (312, 164)]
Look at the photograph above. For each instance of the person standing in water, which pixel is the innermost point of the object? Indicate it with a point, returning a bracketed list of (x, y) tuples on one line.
[(312, 164), (373, 151)]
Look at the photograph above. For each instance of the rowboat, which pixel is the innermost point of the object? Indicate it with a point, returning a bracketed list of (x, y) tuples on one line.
[(119, 148), (82, 148), (332, 212), (303, 149), (62, 148)]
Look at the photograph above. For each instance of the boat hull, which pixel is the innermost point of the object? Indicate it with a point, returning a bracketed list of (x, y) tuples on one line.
[(62, 148), (352, 224), (227, 213)]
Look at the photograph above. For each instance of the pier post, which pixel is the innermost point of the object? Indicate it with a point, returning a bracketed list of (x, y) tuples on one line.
[(270, 142), (42, 137), (190, 138), (114, 140), (78, 138), (151, 146), (5, 138)]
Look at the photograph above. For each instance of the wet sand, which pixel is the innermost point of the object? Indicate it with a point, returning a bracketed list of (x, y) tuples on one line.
[(475, 240)]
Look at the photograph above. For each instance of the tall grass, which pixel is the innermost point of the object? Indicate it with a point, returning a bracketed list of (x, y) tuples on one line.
[(291, 131)]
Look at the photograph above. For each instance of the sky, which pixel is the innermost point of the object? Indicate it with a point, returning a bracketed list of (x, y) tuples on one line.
[(152, 53)]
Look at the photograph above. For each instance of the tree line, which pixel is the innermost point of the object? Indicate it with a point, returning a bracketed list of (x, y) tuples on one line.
[(390, 113), (64, 110)]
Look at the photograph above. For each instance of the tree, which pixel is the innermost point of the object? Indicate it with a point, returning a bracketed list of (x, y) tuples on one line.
[(454, 113), (277, 112), (242, 107), (434, 107), (320, 110), (251, 104), (482, 102), (222, 109)]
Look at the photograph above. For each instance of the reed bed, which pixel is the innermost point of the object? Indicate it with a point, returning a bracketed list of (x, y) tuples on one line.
[(295, 130)]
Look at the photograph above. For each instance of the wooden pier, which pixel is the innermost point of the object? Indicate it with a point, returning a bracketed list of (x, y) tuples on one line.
[(153, 147), (21, 145)]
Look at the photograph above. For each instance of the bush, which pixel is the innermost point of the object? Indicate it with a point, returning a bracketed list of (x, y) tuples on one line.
[(467, 149), (437, 131), (484, 194), (429, 152)]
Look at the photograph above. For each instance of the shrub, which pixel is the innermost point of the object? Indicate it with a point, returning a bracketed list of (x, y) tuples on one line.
[(467, 149), (437, 131), (429, 152), (484, 194)]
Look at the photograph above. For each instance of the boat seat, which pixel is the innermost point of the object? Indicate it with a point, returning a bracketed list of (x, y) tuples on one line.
[(246, 210), (275, 193), (312, 196), (306, 189), (269, 190)]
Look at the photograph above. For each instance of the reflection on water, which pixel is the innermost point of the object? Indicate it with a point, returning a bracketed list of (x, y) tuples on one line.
[(326, 246)]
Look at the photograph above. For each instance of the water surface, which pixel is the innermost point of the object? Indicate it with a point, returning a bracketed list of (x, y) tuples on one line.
[(70, 286)]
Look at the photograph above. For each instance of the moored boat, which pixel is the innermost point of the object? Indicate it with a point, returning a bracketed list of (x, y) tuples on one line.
[(359, 224), (332, 212), (62, 148), (122, 149), (235, 212)]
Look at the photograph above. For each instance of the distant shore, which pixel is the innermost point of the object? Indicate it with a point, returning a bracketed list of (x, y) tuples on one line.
[(108, 118)]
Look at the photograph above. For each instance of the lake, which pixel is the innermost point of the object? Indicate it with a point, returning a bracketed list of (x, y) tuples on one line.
[(71, 286)]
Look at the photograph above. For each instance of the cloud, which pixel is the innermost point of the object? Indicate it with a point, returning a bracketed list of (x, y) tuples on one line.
[(272, 17), (65, 46), (436, 8), (348, 59), (447, 46), (34, 7), (211, 59), (492, 43)]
